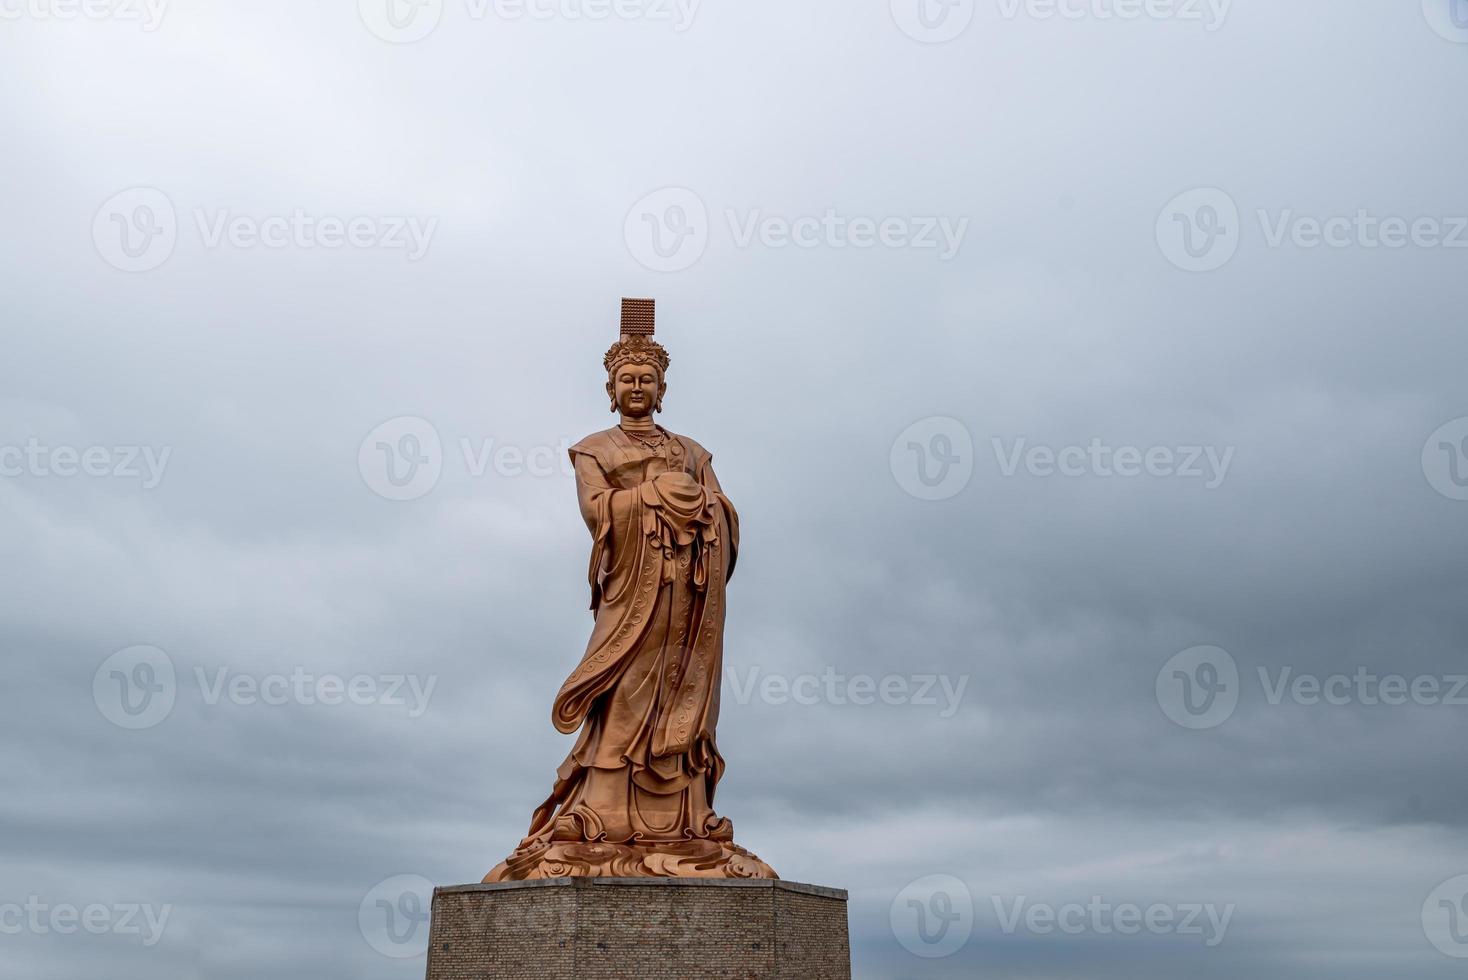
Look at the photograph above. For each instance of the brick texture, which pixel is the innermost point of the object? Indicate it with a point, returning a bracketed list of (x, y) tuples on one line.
[(645, 928)]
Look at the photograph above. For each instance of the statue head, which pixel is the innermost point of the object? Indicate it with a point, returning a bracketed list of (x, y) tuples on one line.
[(637, 367)]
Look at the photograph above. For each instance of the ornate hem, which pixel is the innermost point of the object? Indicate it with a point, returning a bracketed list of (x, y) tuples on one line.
[(658, 859)]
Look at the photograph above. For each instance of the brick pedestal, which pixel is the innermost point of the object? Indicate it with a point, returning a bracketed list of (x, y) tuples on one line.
[(644, 928)]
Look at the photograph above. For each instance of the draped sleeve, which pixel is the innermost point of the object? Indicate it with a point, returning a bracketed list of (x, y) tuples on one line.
[(601, 505)]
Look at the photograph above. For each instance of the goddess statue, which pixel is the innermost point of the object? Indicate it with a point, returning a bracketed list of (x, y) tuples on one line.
[(635, 796)]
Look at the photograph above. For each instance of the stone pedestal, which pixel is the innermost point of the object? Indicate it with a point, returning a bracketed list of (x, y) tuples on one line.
[(644, 928)]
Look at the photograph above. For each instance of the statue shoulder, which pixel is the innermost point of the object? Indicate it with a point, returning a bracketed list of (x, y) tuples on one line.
[(695, 449), (598, 445)]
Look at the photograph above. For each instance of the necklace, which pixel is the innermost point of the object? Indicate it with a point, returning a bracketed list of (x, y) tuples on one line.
[(652, 440)]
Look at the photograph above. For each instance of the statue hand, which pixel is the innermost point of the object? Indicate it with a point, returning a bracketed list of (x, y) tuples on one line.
[(677, 481)]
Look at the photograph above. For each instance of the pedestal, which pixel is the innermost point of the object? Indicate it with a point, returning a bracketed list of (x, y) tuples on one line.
[(644, 928)]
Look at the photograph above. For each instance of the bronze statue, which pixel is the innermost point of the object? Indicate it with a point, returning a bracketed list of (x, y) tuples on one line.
[(635, 796)]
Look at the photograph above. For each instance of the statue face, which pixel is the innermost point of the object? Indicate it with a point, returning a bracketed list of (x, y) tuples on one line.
[(637, 389)]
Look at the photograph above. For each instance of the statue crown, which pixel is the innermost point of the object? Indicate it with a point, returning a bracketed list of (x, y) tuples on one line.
[(636, 349), (639, 321)]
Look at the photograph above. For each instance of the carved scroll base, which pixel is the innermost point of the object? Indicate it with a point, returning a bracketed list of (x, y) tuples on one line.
[(535, 860)]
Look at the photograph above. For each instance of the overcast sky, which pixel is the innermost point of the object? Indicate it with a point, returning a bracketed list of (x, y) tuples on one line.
[(1089, 381)]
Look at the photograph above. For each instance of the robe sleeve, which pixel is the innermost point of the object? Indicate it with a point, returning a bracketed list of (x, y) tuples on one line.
[(591, 487), (711, 483), (598, 500)]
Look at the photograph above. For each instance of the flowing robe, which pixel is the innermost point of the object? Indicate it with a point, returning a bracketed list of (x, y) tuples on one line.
[(645, 695)]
